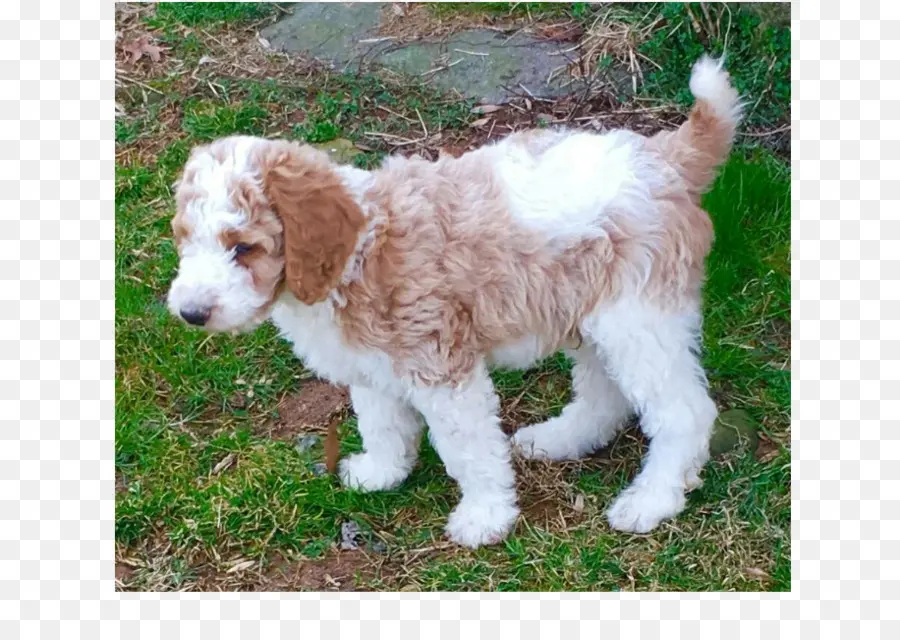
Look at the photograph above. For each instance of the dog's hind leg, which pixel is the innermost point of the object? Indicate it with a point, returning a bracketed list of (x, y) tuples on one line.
[(653, 356), (390, 431), (464, 427), (586, 424)]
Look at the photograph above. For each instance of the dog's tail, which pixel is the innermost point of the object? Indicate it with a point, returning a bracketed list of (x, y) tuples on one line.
[(703, 143)]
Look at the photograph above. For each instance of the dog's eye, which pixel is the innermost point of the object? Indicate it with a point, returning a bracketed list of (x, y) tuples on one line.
[(241, 248)]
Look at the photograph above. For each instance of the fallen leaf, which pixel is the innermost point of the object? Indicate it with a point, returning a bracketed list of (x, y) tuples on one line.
[(755, 572), (205, 60), (241, 566), (486, 108), (766, 450), (237, 401), (579, 503), (480, 122), (141, 47), (123, 572), (223, 464), (562, 33)]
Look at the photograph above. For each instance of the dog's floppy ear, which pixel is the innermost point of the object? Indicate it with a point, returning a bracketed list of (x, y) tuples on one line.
[(321, 220)]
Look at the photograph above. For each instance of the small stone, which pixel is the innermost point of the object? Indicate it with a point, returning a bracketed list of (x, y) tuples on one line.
[(349, 533), (730, 430), (305, 443), (319, 469), (379, 547)]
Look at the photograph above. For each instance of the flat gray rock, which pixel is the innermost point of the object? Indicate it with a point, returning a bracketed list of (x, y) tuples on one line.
[(481, 64), (330, 32)]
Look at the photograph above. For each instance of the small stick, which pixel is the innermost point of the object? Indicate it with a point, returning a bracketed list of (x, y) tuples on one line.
[(764, 134), (422, 122), (140, 84), (394, 113), (444, 68), (332, 446)]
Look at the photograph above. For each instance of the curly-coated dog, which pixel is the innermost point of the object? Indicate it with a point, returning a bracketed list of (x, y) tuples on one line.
[(409, 282)]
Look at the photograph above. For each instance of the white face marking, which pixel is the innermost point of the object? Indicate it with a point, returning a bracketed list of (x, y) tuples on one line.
[(210, 280)]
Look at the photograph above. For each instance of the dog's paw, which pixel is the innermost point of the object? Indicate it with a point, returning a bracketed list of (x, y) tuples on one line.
[(475, 523), (551, 440), (640, 509), (528, 443), (364, 472)]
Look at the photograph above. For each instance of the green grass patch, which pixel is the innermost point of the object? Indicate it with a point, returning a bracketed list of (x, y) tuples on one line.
[(500, 9), (202, 14), (758, 55)]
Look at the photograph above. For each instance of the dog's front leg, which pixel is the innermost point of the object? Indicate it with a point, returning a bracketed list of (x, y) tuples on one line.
[(390, 431), (464, 428)]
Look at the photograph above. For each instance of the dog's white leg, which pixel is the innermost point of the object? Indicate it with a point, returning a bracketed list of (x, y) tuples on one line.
[(390, 430), (586, 424), (652, 355), (465, 430)]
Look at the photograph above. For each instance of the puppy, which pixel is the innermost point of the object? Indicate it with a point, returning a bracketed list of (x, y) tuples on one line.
[(408, 283)]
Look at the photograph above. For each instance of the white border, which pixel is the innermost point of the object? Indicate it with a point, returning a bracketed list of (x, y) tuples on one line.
[(56, 562)]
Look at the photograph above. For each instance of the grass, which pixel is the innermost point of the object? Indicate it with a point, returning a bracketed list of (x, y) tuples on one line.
[(201, 488), (196, 14), (758, 51)]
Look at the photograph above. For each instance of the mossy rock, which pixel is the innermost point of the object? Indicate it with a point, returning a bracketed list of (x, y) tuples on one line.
[(731, 430)]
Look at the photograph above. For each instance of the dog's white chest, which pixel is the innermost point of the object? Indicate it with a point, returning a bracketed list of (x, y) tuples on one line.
[(317, 341)]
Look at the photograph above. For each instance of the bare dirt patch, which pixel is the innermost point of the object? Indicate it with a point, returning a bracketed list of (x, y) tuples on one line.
[(123, 576), (310, 409), (341, 570)]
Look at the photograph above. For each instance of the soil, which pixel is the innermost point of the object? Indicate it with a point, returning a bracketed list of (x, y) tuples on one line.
[(123, 575), (310, 409), (337, 571)]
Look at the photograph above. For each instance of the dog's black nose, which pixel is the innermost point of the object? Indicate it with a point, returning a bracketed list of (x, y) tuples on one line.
[(196, 317)]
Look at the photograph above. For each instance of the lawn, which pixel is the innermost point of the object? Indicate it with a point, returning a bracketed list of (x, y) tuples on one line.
[(212, 489)]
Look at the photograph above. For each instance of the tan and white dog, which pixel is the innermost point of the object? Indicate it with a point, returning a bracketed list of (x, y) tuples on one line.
[(409, 282)]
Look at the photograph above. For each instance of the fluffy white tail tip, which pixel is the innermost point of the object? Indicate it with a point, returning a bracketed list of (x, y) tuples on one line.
[(711, 84)]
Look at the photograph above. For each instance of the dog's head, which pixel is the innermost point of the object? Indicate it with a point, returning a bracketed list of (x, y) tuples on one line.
[(254, 216)]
